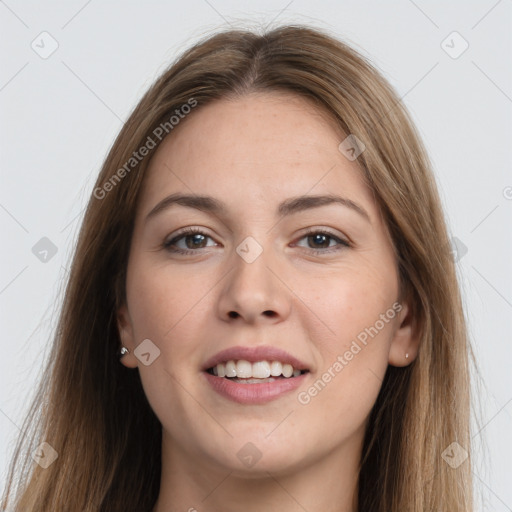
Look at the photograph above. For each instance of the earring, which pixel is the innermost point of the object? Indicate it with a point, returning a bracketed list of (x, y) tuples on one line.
[(407, 355), (123, 351)]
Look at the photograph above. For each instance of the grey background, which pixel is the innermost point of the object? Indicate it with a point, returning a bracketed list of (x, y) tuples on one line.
[(60, 115)]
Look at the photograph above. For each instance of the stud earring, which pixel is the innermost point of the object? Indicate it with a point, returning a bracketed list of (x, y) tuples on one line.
[(407, 355), (123, 351)]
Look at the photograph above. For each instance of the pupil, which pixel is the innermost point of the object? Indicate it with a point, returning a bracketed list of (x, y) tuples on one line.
[(196, 238), (316, 239)]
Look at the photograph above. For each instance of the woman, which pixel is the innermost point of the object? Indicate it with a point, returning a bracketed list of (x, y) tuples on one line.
[(266, 247)]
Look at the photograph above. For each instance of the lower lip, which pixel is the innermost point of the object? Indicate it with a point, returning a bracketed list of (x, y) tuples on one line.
[(254, 393)]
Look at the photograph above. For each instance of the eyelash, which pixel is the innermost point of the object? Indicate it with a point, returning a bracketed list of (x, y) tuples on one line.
[(343, 244)]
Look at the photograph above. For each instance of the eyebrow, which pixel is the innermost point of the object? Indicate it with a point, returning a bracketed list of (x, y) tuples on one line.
[(288, 207)]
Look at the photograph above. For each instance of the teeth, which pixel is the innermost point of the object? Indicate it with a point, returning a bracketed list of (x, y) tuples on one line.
[(276, 368), (243, 369), (287, 370), (230, 369), (260, 370)]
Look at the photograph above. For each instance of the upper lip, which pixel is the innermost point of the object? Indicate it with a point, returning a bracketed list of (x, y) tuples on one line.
[(254, 354)]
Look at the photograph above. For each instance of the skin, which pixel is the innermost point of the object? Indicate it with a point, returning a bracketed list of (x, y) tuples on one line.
[(252, 153)]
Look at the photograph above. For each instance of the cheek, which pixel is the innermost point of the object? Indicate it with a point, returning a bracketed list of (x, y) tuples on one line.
[(347, 302), (161, 300), (171, 307), (353, 364), (168, 308), (356, 305)]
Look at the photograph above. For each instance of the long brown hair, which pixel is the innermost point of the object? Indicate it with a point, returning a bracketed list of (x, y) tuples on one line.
[(92, 410)]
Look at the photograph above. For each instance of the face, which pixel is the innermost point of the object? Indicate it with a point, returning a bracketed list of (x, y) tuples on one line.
[(314, 278)]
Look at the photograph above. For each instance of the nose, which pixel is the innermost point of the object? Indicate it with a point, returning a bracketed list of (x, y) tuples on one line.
[(255, 291)]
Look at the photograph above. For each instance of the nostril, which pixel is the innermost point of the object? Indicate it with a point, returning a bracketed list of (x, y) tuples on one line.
[(234, 314)]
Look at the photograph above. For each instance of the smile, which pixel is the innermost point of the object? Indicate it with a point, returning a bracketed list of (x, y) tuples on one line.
[(248, 389)]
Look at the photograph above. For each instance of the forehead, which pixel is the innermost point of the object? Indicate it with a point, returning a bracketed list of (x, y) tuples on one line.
[(260, 147)]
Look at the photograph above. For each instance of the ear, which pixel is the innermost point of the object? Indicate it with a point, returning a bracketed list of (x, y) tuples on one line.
[(406, 339), (125, 328)]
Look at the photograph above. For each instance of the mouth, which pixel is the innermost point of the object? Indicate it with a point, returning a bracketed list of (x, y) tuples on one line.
[(259, 372), (254, 374), (254, 383)]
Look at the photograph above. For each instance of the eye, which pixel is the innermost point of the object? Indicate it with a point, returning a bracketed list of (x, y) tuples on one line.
[(322, 240), (193, 239)]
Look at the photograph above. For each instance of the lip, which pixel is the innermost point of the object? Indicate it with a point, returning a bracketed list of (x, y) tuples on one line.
[(253, 393), (254, 354)]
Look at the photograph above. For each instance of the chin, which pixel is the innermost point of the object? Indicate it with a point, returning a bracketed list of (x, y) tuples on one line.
[(259, 457)]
